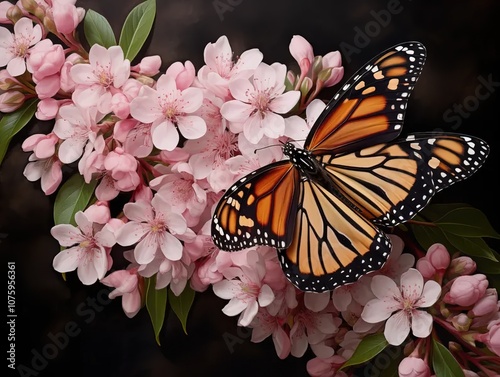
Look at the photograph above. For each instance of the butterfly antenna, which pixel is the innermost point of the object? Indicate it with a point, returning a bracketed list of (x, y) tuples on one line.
[(281, 143)]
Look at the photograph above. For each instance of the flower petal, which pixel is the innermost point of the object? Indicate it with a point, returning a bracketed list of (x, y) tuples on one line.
[(412, 284), (421, 323), (431, 293), (397, 328), (378, 310)]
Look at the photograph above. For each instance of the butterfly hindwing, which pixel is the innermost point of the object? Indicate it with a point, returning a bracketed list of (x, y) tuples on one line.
[(259, 209), (332, 243), (371, 105)]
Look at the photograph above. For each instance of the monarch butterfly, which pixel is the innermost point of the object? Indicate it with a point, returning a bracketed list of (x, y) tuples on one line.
[(324, 207)]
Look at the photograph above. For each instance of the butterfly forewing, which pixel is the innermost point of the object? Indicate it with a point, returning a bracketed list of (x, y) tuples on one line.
[(391, 183), (370, 107), (258, 210), (332, 244), (450, 157)]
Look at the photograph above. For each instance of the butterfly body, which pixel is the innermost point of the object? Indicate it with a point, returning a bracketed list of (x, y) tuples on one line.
[(326, 206)]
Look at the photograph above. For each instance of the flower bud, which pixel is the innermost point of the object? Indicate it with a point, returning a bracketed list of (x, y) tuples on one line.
[(425, 267), (461, 322), (183, 74), (149, 66), (487, 304), (306, 86), (302, 52), (467, 290), (439, 257), (98, 212), (11, 101), (413, 367), (289, 80), (493, 337), (460, 266), (7, 82), (29, 5), (14, 13)]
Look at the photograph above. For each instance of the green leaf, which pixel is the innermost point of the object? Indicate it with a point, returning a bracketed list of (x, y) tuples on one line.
[(487, 266), (136, 28), (98, 30), (385, 364), (466, 222), (367, 349), (471, 246), (443, 362), (156, 304), (12, 123), (428, 235), (181, 304), (73, 196)]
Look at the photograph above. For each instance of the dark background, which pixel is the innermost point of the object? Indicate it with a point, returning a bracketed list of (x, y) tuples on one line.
[(82, 333)]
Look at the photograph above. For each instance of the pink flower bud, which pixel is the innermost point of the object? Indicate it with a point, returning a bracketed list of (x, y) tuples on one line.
[(120, 105), (48, 108), (45, 59), (469, 373), (467, 290), (98, 212), (67, 83), (7, 82), (461, 266), (439, 257), (302, 52), (118, 162), (11, 101), (66, 16), (149, 66), (333, 62), (183, 74), (425, 267), (493, 337), (413, 367), (487, 304)]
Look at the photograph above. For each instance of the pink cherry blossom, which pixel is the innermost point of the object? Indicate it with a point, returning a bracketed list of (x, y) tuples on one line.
[(258, 103), (128, 284), (15, 48), (88, 251), (43, 146), (169, 109), (45, 59), (413, 367), (122, 167), (310, 327), (153, 226), (244, 288), (98, 80), (48, 170), (264, 325), (220, 68), (332, 71), (405, 301), (184, 193)]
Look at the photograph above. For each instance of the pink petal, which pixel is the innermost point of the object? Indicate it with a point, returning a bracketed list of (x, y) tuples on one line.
[(241, 90), (100, 262), (82, 74), (226, 289), (131, 233), (233, 307), (192, 99), (383, 287), (71, 149), (253, 129), (236, 111), (86, 273), (397, 328), (131, 303), (316, 301), (171, 247), (145, 107), (264, 78), (16, 67), (284, 102), (67, 260), (248, 314), (272, 124), (66, 234), (140, 211), (281, 342), (191, 126), (266, 296), (431, 293), (145, 250), (378, 310), (421, 323), (165, 136), (412, 284)]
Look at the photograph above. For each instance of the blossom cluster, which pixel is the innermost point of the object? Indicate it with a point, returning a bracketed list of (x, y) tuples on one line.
[(169, 142)]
